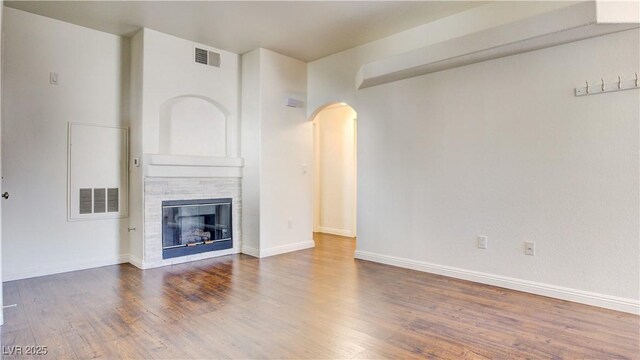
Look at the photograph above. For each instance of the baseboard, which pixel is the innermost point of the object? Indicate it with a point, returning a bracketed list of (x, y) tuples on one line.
[(558, 292), (332, 231), (136, 261), (80, 265), (251, 251), (277, 250)]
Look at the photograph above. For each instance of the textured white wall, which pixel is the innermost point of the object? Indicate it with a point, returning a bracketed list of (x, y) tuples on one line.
[(136, 181), (336, 170), (92, 70), (163, 69), (500, 148), (512, 161), (286, 148), (250, 150), (332, 79), (169, 71), (192, 126), (277, 143)]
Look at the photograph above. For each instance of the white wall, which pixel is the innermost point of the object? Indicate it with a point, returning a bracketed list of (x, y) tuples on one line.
[(136, 181), (192, 126), (336, 170), (500, 148), (278, 150), (250, 152), (163, 72), (169, 71), (92, 70), (332, 79)]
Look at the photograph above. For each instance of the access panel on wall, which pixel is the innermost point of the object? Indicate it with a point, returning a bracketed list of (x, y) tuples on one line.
[(97, 172)]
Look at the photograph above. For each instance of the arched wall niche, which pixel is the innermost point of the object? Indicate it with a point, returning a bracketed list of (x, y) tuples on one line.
[(193, 125)]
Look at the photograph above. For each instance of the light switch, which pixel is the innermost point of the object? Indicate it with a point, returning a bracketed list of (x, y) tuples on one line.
[(53, 78)]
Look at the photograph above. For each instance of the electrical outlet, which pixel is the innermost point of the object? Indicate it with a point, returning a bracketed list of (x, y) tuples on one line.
[(529, 248), (290, 223), (483, 241)]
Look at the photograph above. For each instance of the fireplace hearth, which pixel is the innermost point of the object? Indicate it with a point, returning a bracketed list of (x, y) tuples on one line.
[(196, 226)]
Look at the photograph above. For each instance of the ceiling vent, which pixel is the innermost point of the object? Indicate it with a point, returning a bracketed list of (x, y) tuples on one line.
[(205, 57)]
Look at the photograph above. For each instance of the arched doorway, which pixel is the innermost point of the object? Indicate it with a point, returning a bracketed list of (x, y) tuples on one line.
[(335, 164)]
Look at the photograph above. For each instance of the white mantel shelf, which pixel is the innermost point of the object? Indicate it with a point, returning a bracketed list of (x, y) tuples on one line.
[(576, 22), (157, 165)]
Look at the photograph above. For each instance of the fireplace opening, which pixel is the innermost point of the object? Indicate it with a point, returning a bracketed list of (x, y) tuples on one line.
[(195, 226)]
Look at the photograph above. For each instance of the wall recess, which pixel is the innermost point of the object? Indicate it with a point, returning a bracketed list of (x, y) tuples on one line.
[(97, 172)]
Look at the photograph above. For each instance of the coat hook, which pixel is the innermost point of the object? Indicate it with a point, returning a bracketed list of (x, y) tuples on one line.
[(619, 82), (586, 82), (602, 80)]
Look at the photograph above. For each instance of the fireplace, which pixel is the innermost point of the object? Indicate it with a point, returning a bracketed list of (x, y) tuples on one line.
[(196, 226)]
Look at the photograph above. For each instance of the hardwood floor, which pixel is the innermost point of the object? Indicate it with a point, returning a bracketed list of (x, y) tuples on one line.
[(317, 303)]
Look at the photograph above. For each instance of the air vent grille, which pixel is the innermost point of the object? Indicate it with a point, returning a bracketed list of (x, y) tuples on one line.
[(99, 201), (202, 56), (205, 57), (86, 201), (113, 200)]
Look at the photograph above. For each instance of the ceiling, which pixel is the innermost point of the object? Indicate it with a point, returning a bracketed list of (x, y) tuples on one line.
[(305, 30)]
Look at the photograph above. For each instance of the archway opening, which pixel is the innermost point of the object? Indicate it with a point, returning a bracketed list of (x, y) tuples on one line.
[(335, 156)]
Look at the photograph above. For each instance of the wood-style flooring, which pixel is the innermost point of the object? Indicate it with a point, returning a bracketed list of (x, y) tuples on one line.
[(318, 303)]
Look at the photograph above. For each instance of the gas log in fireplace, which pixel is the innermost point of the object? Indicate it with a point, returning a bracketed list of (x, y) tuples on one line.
[(195, 226)]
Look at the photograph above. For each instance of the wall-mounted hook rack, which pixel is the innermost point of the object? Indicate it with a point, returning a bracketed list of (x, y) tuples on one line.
[(610, 87)]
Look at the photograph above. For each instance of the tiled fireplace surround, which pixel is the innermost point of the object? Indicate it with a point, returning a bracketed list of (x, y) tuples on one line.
[(157, 190)]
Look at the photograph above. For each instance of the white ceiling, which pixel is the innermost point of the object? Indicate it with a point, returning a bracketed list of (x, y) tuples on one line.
[(306, 30)]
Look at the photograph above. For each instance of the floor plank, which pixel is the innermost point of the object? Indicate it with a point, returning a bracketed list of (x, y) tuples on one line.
[(316, 303)]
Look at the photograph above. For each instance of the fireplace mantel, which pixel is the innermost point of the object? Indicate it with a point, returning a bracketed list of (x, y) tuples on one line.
[(157, 165)]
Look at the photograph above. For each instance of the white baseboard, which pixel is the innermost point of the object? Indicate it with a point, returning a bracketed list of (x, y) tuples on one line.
[(72, 266), (332, 231), (277, 250), (136, 261), (140, 264), (558, 292), (251, 251)]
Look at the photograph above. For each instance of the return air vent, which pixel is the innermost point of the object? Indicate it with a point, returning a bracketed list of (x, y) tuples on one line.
[(205, 57), (99, 201), (112, 200), (86, 201), (202, 56)]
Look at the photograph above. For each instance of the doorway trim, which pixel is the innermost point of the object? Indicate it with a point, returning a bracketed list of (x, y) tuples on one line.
[(316, 173)]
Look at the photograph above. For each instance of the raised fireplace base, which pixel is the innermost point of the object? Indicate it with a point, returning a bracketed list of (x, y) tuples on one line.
[(157, 190)]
